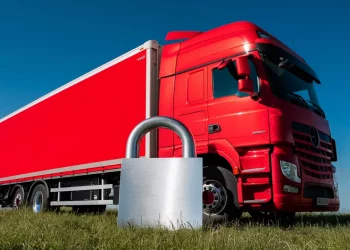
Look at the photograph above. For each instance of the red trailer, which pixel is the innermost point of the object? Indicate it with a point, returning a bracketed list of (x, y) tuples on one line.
[(74, 137), (249, 101)]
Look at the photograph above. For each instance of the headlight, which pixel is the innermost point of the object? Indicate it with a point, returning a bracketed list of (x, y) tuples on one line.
[(290, 171)]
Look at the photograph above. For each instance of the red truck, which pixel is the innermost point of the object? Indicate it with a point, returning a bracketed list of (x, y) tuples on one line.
[(249, 101)]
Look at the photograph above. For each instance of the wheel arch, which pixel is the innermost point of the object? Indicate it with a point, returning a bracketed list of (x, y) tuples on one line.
[(34, 185), (14, 189), (219, 159)]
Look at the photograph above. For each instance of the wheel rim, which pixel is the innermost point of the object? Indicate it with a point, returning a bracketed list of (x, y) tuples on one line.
[(37, 202), (214, 197), (17, 201)]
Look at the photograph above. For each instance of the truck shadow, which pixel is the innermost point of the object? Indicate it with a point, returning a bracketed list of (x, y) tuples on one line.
[(300, 220)]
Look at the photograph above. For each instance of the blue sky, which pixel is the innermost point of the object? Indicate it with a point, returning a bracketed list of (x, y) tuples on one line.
[(44, 44)]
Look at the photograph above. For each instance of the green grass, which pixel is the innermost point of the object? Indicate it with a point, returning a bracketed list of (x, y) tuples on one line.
[(21, 229)]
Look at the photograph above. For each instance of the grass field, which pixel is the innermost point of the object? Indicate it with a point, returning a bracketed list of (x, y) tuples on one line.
[(21, 229)]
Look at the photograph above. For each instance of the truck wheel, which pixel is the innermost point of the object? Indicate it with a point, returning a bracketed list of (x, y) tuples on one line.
[(220, 201), (18, 198), (39, 199)]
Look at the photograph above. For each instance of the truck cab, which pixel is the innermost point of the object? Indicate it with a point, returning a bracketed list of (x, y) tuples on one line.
[(251, 104)]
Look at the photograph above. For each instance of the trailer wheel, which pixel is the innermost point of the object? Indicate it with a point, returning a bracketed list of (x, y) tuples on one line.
[(220, 201), (39, 199), (18, 199)]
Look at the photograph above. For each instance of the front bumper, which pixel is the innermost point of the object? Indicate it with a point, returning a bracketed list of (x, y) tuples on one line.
[(304, 200), (311, 194)]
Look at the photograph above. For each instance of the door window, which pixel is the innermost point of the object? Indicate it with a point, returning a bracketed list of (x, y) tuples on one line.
[(225, 81)]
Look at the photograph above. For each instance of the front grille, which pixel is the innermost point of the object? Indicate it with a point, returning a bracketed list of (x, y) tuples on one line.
[(314, 161), (315, 191)]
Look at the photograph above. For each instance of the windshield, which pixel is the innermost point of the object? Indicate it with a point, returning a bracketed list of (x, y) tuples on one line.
[(285, 83), (289, 86)]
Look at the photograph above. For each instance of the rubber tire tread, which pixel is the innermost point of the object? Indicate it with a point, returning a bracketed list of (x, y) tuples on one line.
[(19, 190), (43, 189), (231, 211)]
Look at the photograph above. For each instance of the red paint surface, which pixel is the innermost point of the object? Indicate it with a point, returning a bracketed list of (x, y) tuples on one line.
[(247, 127), (88, 122), (91, 121)]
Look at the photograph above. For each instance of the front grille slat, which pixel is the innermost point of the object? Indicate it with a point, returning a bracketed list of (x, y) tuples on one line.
[(318, 157), (316, 172), (317, 176), (308, 143), (314, 161), (308, 162)]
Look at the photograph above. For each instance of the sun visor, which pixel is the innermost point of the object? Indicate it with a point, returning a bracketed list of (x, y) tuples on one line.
[(274, 53)]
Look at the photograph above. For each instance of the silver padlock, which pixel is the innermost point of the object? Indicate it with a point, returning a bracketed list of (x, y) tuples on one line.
[(165, 192)]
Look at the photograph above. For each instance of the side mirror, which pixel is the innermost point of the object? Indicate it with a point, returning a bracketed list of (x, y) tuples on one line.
[(243, 70), (243, 67), (246, 85)]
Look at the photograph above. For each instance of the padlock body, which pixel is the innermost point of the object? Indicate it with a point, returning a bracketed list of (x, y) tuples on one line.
[(163, 192)]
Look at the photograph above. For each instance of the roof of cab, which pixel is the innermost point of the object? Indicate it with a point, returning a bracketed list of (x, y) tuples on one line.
[(222, 30), (235, 33), (184, 54)]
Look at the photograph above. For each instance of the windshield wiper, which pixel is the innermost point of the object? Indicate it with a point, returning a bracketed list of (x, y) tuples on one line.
[(319, 109), (322, 113), (299, 97)]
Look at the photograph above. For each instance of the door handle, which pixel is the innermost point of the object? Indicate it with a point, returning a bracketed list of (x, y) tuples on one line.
[(214, 128)]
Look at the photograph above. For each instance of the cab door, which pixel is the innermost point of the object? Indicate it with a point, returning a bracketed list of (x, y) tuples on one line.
[(233, 115), (191, 107)]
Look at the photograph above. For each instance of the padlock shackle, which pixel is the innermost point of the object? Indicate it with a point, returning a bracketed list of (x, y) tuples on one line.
[(132, 146)]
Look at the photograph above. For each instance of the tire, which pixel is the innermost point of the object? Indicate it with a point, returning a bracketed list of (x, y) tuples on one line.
[(18, 199), (220, 199), (39, 200)]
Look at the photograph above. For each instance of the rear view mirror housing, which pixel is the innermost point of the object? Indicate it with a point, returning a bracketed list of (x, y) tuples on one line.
[(243, 67), (243, 70), (246, 85)]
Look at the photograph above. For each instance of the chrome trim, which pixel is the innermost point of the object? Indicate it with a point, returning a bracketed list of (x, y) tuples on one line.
[(252, 170), (255, 201), (315, 137), (81, 203), (81, 188), (65, 169)]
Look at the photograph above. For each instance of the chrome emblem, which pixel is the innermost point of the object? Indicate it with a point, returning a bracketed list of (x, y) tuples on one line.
[(315, 137)]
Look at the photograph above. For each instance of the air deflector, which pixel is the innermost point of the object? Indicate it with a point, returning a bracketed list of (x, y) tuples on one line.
[(277, 54), (179, 35)]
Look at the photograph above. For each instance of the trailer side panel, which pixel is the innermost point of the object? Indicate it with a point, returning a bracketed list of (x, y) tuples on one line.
[(81, 129)]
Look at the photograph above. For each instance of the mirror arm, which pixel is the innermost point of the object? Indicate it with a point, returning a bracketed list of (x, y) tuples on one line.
[(255, 96)]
